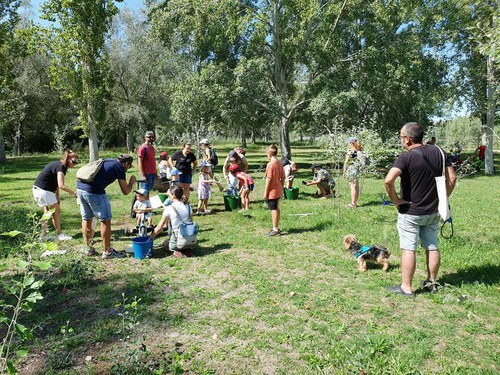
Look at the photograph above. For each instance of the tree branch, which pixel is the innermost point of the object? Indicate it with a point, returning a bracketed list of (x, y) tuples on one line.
[(335, 24)]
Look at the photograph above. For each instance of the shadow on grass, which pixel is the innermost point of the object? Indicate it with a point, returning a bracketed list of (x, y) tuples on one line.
[(488, 274), (204, 251), (318, 227)]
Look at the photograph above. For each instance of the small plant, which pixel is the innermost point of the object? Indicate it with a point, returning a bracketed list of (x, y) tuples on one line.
[(25, 292), (130, 313), (61, 355)]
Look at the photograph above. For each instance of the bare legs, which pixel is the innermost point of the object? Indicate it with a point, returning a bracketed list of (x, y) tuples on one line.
[(245, 200), (56, 219), (186, 189), (354, 192), (87, 232), (275, 215), (433, 262), (408, 264), (106, 235)]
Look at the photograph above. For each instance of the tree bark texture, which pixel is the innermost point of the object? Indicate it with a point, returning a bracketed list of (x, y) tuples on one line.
[(3, 157), (490, 117)]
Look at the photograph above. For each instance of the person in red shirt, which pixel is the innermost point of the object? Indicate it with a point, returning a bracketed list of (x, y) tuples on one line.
[(273, 191), (146, 162), (481, 152)]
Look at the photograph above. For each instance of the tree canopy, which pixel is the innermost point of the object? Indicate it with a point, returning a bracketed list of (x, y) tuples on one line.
[(274, 69)]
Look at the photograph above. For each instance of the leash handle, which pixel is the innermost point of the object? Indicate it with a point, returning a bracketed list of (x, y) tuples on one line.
[(450, 220)]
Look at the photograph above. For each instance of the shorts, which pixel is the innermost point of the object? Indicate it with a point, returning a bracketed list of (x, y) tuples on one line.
[(172, 242), (185, 178), (272, 204), (44, 198), (250, 187), (411, 228), (325, 185), (94, 205), (149, 184)]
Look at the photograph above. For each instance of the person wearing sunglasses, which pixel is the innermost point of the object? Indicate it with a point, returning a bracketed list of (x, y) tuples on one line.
[(46, 190)]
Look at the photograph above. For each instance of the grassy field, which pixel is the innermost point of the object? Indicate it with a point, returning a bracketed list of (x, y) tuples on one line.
[(249, 304)]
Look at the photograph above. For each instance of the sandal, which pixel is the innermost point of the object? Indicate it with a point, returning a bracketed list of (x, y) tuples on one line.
[(430, 286), (350, 205), (398, 290)]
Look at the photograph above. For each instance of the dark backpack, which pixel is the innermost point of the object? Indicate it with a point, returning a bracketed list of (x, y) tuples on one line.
[(214, 159)]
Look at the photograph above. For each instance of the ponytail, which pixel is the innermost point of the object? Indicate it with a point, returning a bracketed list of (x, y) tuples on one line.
[(178, 193)]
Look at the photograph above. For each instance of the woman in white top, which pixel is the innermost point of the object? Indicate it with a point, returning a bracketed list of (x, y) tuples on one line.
[(182, 212)]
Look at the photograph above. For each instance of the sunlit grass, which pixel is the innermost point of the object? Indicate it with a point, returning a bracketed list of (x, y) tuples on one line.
[(246, 303)]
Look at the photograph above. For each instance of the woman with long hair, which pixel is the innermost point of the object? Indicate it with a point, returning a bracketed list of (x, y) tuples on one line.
[(353, 169), (46, 190)]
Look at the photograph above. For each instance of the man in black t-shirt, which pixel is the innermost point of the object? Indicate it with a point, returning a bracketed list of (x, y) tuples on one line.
[(418, 204)]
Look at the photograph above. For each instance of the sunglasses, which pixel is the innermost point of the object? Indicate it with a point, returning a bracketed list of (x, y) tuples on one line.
[(74, 161)]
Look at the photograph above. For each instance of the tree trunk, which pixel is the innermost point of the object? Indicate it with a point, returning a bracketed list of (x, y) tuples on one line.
[(17, 140), (243, 139), (3, 157), (129, 138), (490, 117), (253, 137), (280, 78), (93, 144), (285, 138)]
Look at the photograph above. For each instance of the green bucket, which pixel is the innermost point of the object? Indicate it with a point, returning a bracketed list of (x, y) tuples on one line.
[(232, 202), (292, 193)]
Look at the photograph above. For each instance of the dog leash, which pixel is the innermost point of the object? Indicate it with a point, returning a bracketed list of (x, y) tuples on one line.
[(450, 220)]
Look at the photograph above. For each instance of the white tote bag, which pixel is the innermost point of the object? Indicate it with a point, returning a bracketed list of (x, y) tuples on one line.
[(444, 206)]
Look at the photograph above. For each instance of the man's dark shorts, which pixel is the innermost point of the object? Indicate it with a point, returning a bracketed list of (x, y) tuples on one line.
[(272, 204)]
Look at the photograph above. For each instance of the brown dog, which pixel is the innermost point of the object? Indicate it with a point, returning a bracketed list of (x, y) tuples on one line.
[(367, 254)]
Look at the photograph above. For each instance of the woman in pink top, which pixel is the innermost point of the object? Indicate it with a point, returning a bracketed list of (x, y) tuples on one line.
[(247, 185)]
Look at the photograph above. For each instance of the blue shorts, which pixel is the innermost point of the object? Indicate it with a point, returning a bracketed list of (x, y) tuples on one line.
[(150, 182), (94, 205), (413, 227), (185, 178), (250, 187)]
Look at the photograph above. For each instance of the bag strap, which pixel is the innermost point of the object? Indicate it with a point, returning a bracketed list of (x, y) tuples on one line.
[(177, 213)]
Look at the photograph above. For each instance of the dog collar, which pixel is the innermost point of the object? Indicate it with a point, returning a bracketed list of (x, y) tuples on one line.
[(363, 250)]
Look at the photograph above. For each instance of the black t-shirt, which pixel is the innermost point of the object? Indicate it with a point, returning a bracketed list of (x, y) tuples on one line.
[(183, 162), (417, 179), (47, 179)]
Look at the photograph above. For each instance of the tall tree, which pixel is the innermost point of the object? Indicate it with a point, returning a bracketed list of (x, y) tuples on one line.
[(81, 65), (8, 21), (467, 32), (144, 72)]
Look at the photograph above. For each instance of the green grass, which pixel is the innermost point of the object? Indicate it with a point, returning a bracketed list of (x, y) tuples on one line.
[(245, 303)]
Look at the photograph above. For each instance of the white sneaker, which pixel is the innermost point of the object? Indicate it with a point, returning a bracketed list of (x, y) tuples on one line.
[(64, 237), (112, 254)]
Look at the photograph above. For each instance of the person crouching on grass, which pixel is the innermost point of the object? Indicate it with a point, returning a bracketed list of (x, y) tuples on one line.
[(247, 185), (175, 214)]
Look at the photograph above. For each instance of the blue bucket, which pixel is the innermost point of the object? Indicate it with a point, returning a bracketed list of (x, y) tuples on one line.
[(142, 247)]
